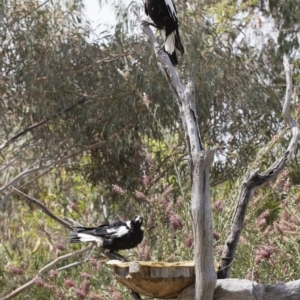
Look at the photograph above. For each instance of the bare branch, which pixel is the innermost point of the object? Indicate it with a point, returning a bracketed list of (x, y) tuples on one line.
[(23, 174), (46, 268), (286, 108), (43, 208), (7, 165), (255, 180), (38, 124), (77, 263), (37, 166)]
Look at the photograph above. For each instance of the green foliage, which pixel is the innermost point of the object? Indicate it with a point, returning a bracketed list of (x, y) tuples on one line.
[(56, 66)]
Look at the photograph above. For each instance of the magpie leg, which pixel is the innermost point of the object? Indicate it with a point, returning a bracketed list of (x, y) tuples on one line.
[(160, 48), (119, 256), (114, 255), (144, 23)]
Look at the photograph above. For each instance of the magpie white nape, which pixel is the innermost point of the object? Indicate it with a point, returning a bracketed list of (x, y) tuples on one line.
[(114, 237), (164, 16)]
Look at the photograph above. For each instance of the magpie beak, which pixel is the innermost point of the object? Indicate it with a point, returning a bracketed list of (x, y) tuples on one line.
[(113, 237), (164, 16)]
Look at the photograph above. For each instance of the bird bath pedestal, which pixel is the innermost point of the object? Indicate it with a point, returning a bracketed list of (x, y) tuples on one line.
[(155, 279)]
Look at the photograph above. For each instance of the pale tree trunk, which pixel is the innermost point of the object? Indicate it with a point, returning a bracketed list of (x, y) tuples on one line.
[(203, 228), (200, 161)]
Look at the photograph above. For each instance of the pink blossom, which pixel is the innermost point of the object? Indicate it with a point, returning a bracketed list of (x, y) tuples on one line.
[(146, 180), (73, 206), (117, 189), (180, 201), (53, 274), (93, 262), (168, 205), (60, 246), (264, 253), (175, 221), (146, 99), (48, 286), (216, 235), (149, 159), (58, 294), (188, 240), (96, 263), (262, 219), (85, 286), (85, 275), (153, 200), (218, 206), (115, 294), (95, 296), (69, 283), (296, 197), (172, 257), (16, 270), (260, 223), (151, 219), (257, 259), (145, 250), (268, 230), (80, 294), (279, 228), (287, 185), (285, 173), (139, 195), (167, 191), (40, 282)]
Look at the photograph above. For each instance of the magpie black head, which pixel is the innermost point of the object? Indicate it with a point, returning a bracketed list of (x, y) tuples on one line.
[(137, 221)]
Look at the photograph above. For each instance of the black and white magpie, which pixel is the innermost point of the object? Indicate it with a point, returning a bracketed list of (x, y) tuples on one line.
[(164, 15), (114, 237)]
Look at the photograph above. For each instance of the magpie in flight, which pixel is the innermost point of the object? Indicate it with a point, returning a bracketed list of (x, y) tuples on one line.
[(114, 237), (164, 16)]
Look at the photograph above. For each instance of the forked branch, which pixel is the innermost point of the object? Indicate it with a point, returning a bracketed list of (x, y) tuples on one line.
[(255, 180)]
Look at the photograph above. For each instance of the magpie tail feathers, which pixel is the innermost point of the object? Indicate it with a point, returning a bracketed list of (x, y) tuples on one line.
[(169, 47), (173, 41), (173, 58), (81, 235)]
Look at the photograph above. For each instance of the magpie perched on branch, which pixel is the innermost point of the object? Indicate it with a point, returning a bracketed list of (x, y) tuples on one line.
[(164, 15), (114, 237)]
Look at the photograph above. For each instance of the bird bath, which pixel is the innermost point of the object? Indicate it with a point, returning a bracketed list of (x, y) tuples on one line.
[(154, 279)]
